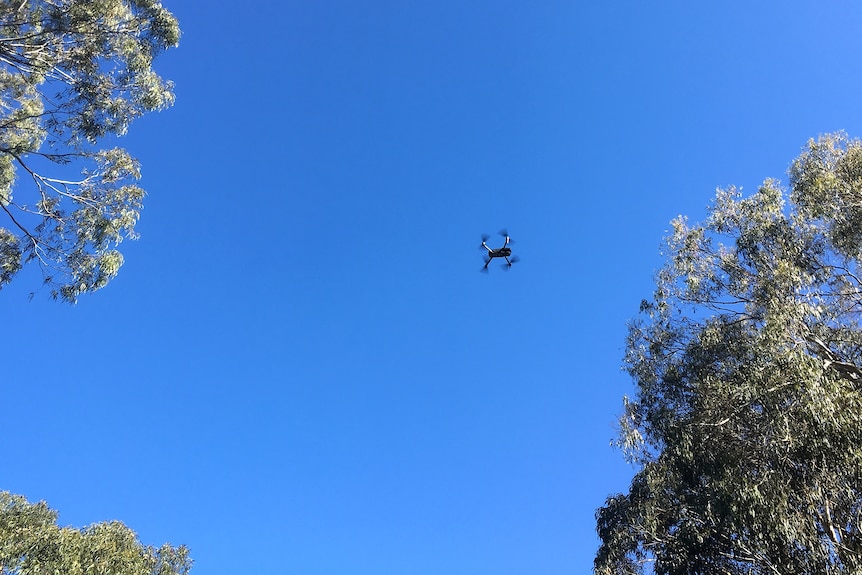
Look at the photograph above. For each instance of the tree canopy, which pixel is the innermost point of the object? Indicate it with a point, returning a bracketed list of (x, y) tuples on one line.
[(746, 426), (72, 74), (31, 543)]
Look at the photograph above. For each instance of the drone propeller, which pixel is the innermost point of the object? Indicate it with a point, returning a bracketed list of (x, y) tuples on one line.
[(512, 260), (485, 238), (484, 270), (505, 233)]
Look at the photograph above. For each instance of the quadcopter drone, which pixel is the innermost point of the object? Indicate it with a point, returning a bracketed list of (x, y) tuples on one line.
[(503, 252)]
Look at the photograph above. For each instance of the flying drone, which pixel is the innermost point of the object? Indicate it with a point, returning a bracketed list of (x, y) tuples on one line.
[(503, 252)]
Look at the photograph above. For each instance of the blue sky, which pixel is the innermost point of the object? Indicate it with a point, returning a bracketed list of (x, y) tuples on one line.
[(300, 369)]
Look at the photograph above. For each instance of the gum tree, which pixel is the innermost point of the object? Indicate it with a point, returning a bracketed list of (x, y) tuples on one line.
[(74, 73), (31, 543), (746, 426)]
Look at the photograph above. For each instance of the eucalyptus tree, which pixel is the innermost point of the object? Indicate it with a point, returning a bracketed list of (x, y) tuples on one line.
[(31, 543), (74, 73), (746, 426)]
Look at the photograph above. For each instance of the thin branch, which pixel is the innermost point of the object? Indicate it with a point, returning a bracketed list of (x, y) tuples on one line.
[(17, 224)]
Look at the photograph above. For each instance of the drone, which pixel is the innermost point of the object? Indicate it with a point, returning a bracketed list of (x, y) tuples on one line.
[(503, 252)]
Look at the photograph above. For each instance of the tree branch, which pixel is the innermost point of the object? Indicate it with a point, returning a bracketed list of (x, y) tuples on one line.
[(830, 359)]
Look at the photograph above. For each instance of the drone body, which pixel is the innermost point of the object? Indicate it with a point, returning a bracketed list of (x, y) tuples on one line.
[(503, 252)]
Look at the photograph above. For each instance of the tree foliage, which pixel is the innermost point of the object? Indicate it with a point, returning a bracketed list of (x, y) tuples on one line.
[(73, 72), (31, 543), (746, 428)]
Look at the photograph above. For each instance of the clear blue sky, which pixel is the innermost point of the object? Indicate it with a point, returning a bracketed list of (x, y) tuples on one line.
[(300, 369)]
